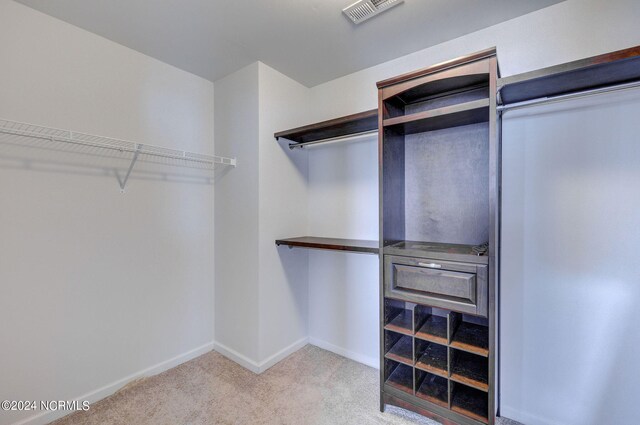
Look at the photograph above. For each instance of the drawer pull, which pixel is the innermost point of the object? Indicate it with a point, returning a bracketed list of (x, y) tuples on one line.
[(431, 265)]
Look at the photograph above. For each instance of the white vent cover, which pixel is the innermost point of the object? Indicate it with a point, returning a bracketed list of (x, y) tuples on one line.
[(362, 10)]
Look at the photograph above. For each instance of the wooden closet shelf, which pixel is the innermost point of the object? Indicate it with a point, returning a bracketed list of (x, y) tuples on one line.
[(434, 329), (334, 244), (338, 127), (471, 370), (473, 112), (470, 402), (434, 360), (402, 323), (472, 338), (435, 390), (599, 71), (402, 351), (401, 378)]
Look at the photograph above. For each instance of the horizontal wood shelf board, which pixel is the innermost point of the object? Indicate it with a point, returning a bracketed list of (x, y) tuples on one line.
[(402, 323), (401, 378), (472, 338), (590, 73), (402, 351), (470, 370), (434, 389), (437, 67), (437, 113), (434, 358), (338, 127), (435, 250), (469, 402), (334, 244), (434, 329)]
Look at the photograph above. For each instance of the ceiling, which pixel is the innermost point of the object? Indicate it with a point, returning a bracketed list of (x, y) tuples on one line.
[(308, 40)]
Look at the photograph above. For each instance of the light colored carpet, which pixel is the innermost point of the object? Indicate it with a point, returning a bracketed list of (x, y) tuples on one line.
[(310, 387)]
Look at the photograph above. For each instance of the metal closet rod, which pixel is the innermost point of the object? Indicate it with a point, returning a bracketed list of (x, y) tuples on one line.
[(333, 139), (570, 96)]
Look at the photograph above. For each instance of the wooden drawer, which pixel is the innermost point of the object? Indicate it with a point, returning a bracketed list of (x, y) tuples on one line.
[(445, 284)]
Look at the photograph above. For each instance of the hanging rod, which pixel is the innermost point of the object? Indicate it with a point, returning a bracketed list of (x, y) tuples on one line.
[(333, 139), (563, 97), (76, 138)]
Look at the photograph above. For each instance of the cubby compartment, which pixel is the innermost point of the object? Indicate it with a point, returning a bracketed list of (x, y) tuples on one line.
[(398, 376), (431, 357), (432, 388), (469, 402), (398, 347), (469, 333), (398, 316), (431, 324), (469, 369)]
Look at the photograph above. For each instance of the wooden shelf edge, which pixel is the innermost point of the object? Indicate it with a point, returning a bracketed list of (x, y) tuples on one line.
[(332, 244), (437, 113), (337, 127), (583, 74)]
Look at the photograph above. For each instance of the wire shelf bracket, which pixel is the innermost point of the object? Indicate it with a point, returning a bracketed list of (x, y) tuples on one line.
[(16, 128)]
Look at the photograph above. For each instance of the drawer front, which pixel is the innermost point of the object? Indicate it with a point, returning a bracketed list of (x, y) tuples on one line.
[(444, 284), (435, 281)]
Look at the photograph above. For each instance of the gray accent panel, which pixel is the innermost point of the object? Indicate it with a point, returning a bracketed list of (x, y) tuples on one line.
[(452, 166)]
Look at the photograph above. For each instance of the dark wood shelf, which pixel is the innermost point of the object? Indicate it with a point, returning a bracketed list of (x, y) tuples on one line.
[(402, 323), (470, 370), (436, 251), (434, 329), (595, 72), (472, 338), (401, 378), (470, 402), (433, 359), (434, 389), (334, 244), (402, 351), (466, 113), (338, 127)]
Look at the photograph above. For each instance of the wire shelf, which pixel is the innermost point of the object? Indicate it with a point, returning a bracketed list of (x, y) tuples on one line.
[(82, 139)]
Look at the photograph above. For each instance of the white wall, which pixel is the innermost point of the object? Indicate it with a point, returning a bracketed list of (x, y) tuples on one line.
[(236, 223), (567, 31), (98, 286), (283, 200), (570, 274), (261, 290)]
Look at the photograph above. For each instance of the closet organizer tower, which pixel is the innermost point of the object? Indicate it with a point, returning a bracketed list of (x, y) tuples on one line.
[(439, 222)]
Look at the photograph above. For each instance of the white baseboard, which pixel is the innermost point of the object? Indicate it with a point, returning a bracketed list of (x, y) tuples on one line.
[(234, 356), (524, 417), (369, 361), (282, 354), (253, 365), (107, 390)]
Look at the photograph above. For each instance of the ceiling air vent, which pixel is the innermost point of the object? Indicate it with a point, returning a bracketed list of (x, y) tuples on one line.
[(362, 10)]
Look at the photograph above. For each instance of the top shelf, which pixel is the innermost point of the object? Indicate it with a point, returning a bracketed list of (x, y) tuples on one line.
[(591, 73), (333, 244), (349, 125), (19, 129)]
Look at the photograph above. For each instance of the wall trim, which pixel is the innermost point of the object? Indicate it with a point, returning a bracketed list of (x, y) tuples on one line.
[(282, 354), (254, 366), (109, 389), (524, 417), (366, 360), (236, 357)]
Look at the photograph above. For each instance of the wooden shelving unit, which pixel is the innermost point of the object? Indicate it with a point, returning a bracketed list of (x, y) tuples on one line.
[(595, 72), (439, 220), (332, 244), (349, 125)]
